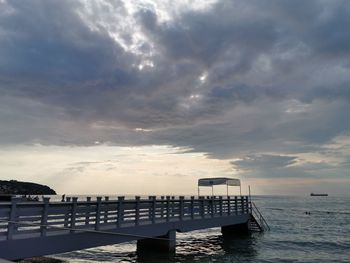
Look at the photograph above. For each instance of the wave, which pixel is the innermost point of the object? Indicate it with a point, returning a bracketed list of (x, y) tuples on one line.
[(308, 211)]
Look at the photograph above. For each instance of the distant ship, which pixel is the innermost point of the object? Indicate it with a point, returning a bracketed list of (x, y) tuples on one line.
[(312, 194)]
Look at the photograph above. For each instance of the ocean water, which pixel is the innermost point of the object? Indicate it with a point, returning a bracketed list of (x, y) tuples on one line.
[(322, 235)]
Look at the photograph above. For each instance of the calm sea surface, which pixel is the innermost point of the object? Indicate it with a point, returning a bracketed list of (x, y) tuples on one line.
[(295, 236)]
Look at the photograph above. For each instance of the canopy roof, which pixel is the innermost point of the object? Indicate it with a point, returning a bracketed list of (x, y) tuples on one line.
[(219, 181)]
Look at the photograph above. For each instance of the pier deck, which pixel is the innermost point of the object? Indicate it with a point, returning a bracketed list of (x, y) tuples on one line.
[(30, 229)]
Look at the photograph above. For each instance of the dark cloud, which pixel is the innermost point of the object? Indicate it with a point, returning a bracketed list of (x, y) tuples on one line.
[(49, 41), (234, 79), (277, 166), (264, 162)]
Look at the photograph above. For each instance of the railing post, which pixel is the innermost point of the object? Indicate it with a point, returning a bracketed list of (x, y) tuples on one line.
[(137, 210), (11, 227), (250, 204), (236, 205), (202, 200), (168, 208), (150, 208), (172, 206), (242, 204), (98, 212), (120, 211), (74, 211), (105, 213), (247, 204), (162, 207), (181, 213), (44, 215), (220, 205), (228, 205), (87, 212), (212, 205), (153, 209), (208, 205), (66, 217), (192, 207)]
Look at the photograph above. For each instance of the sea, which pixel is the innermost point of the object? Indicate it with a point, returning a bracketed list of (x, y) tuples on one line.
[(303, 229)]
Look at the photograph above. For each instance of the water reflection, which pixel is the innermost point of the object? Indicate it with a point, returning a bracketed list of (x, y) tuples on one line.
[(143, 256), (238, 247), (197, 246), (213, 248)]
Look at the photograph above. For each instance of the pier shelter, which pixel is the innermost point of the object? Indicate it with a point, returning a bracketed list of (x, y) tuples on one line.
[(210, 182)]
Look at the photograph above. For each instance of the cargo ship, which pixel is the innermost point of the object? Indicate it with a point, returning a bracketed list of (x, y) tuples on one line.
[(312, 194)]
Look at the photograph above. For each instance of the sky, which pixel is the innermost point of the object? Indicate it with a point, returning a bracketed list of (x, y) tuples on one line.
[(146, 97)]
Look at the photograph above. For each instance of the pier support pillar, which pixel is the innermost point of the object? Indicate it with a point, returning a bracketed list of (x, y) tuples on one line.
[(235, 229), (166, 243)]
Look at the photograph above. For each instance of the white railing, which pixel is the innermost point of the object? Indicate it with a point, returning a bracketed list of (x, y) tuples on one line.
[(20, 219)]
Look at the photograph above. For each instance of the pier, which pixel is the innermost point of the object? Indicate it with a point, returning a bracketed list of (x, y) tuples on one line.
[(29, 229)]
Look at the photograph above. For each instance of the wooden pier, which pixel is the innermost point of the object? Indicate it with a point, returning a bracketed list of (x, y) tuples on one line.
[(29, 229)]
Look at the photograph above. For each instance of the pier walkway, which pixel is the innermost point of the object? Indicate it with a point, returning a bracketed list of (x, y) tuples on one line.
[(29, 229)]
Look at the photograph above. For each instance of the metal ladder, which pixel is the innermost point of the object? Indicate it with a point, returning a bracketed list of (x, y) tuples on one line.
[(257, 222)]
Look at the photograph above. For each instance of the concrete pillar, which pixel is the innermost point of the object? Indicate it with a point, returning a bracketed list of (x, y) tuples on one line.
[(167, 244)]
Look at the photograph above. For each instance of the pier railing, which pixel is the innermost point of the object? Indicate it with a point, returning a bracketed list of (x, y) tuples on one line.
[(44, 218)]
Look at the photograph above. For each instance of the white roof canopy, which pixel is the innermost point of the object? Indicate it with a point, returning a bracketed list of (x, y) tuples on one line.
[(210, 182), (219, 181)]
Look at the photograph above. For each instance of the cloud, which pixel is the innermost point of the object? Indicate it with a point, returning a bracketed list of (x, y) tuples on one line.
[(265, 162), (278, 166), (229, 78)]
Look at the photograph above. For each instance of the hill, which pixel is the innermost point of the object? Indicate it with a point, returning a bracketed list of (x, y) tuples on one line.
[(24, 188)]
